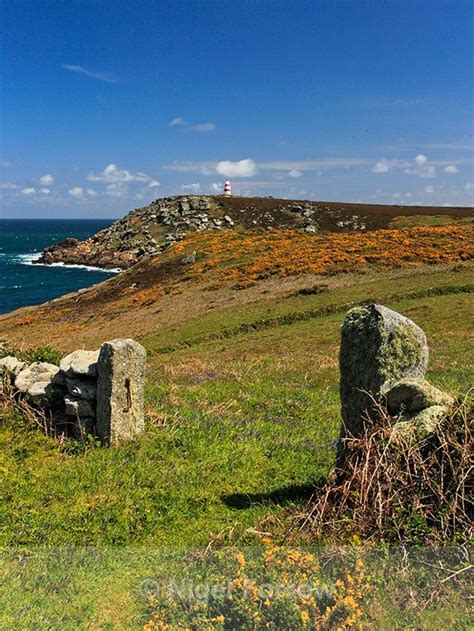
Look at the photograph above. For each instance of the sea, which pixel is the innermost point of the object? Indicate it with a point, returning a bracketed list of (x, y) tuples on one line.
[(24, 283)]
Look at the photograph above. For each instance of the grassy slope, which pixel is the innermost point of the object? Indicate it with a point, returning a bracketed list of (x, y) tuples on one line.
[(243, 410), (241, 425)]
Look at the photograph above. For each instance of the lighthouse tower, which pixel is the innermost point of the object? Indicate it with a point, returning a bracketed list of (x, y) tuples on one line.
[(227, 188)]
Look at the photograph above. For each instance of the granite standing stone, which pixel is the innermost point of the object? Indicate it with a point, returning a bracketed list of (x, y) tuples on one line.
[(379, 347), (120, 391)]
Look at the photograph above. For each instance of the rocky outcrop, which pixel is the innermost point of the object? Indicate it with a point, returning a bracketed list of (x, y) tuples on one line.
[(11, 365), (148, 231)]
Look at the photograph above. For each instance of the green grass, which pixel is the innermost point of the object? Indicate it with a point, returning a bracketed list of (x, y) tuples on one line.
[(243, 408)]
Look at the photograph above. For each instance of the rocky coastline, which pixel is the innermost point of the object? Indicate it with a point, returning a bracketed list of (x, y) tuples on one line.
[(150, 230)]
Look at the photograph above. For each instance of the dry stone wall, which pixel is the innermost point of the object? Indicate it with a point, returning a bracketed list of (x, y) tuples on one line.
[(97, 392)]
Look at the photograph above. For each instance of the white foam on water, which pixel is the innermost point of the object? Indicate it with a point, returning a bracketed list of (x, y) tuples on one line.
[(31, 258)]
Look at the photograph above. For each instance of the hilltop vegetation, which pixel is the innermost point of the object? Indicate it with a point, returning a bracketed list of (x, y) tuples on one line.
[(148, 231), (242, 413)]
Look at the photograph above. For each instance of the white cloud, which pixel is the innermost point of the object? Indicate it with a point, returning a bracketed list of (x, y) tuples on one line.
[(191, 187), (112, 173), (45, 191), (294, 173), (28, 190), (176, 122), (313, 165), (217, 187), (154, 184), (76, 191), (204, 128), (429, 189), (202, 168), (6, 165), (422, 168), (209, 167), (243, 168), (11, 186), (380, 167), (421, 159), (116, 189), (469, 186), (91, 192), (451, 168), (94, 75), (47, 179)]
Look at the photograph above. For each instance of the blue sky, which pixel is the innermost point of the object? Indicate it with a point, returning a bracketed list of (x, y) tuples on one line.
[(108, 105)]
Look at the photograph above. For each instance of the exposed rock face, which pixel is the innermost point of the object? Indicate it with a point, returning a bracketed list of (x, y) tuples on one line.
[(43, 393), (120, 391), (150, 230), (422, 423), (36, 382), (379, 347), (80, 363)]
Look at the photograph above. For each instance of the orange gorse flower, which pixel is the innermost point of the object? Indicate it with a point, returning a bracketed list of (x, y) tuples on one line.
[(242, 259)]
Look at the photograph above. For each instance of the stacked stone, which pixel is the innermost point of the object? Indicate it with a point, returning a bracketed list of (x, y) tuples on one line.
[(99, 392), (79, 370)]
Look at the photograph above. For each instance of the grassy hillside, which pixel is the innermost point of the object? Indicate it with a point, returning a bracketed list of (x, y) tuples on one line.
[(242, 414)]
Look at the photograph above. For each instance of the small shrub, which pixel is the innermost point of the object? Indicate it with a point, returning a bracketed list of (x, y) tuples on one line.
[(42, 354), (273, 588), (397, 488)]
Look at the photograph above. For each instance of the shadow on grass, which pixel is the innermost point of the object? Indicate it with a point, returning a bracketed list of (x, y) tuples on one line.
[(295, 493)]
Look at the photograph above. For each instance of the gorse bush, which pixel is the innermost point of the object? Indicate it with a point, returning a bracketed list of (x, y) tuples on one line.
[(277, 588), (244, 259)]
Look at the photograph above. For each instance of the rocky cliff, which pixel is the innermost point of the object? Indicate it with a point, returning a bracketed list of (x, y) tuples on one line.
[(148, 231)]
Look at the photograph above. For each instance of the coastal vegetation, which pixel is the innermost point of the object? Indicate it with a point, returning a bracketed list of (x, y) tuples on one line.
[(242, 413)]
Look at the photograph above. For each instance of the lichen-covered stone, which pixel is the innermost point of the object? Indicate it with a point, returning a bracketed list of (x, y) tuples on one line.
[(78, 407), (379, 347), (43, 393), (421, 424), (120, 391), (38, 371), (80, 363), (11, 365), (413, 395)]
